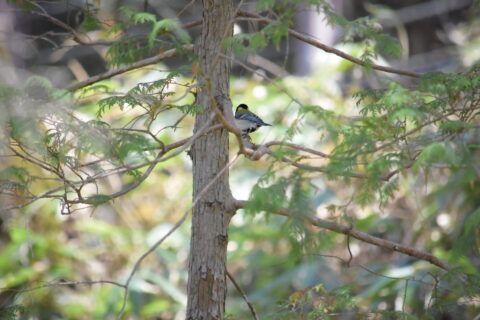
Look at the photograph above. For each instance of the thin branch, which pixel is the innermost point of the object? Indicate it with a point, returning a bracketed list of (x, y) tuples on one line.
[(362, 236), (314, 42), (410, 132), (63, 283), (404, 299), (79, 37), (244, 296), (175, 227), (259, 150), (185, 8), (123, 69), (361, 266), (297, 147)]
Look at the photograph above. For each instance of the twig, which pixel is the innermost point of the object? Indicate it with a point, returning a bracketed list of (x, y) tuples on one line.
[(404, 298), (188, 5), (244, 296)]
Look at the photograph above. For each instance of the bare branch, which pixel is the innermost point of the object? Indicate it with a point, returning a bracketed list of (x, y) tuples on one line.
[(362, 236), (244, 296), (314, 42)]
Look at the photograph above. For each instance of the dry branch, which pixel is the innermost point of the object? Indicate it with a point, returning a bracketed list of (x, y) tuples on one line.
[(244, 296)]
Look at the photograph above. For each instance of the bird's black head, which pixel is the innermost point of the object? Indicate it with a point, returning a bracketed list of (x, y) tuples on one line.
[(241, 106)]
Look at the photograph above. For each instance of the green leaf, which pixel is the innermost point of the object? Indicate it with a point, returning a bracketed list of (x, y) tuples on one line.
[(191, 109), (397, 96), (454, 126), (430, 153), (127, 12), (265, 4), (91, 23), (406, 113), (267, 198), (168, 25), (128, 51), (98, 199), (144, 17), (12, 312), (387, 45), (16, 173)]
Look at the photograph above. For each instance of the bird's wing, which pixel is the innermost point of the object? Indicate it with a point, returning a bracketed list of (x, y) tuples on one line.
[(249, 116)]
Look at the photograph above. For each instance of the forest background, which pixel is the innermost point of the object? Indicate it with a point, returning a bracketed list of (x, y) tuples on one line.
[(361, 201)]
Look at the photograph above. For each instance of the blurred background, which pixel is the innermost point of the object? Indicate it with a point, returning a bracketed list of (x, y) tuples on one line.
[(42, 246)]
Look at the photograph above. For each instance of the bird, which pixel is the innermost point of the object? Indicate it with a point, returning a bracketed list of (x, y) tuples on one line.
[(247, 121)]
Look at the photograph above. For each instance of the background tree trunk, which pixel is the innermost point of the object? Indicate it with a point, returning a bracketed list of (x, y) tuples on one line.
[(207, 286)]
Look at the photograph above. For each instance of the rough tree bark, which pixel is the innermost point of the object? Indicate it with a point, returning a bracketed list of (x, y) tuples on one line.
[(207, 285)]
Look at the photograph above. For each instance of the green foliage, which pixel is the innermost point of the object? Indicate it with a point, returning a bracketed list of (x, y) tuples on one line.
[(367, 30), (164, 34), (436, 152), (98, 199), (168, 25), (317, 302), (275, 32), (148, 95), (245, 44), (271, 197), (128, 51), (91, 21), (191, 109), (287, 6), (12, 312), (13, 177), (468, 241), (402, 166)]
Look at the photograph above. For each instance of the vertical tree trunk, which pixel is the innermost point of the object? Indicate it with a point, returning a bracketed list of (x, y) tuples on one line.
[(207, 286)]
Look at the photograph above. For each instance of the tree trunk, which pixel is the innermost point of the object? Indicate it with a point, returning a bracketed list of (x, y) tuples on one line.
[(207, 285)]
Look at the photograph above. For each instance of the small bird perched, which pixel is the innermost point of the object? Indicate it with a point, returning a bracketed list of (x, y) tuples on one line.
[(247, 121)]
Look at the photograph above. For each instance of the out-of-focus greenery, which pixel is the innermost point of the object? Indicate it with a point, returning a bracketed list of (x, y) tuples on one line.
[(289, 270)]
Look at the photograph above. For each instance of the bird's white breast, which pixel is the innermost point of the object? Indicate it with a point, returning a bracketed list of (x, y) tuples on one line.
[(244, 124)]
